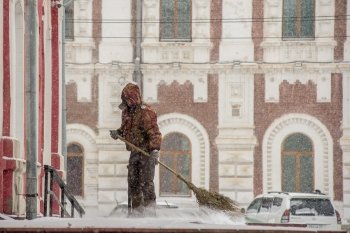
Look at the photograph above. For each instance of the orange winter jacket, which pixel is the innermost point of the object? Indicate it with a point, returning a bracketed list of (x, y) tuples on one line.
[(139, 121)]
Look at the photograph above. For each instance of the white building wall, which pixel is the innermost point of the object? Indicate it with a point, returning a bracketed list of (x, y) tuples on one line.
[(198, 50), (319, 50), (236, 43), (116, 42), (48, 86), (236, 138), (345, 143), (80, 49), (16, 36), (167, 74), (166, 62)]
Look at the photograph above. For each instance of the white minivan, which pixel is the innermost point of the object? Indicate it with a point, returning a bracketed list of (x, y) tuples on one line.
[(295, 209)]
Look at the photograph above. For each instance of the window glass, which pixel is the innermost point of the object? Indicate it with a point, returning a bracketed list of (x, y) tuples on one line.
[(297, 164), (184, 14), (266, 205), (75, 168), (277, 201), (176, 154), (297, 142), (289, 21), (311, 207), (289, 171), (254, 206), (69, 21), (167, 14), (175, 20), (298, 19), (74, 175), (306, 174), (74, 149), (307, 18)]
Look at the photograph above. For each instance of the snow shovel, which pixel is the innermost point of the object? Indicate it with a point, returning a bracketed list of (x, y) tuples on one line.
[(212, 200)]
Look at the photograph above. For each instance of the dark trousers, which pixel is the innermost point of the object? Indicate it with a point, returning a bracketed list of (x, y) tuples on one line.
[(140, 181)]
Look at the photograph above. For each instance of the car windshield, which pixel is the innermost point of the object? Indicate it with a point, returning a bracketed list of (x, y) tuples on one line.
[(311, 207)]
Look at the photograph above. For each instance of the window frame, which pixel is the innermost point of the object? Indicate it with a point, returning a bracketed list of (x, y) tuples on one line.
[(175, 192), (298, 155), (67, 8), (69, 154), (255, 203), (298, 17), (175, 11)]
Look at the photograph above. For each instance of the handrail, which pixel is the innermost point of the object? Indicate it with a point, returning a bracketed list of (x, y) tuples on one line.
[(64, 193)]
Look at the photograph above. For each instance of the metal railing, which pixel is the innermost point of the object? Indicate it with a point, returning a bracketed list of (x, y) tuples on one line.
[(51, 173)]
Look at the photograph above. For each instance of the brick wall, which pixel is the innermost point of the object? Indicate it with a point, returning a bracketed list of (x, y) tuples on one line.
[(340, 29), (258, 29), (179, 98), (299, 98), (82, 112), (215, 28)]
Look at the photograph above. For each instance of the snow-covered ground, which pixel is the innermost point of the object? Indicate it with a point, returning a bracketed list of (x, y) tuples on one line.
[(171, 218), (200, 218)]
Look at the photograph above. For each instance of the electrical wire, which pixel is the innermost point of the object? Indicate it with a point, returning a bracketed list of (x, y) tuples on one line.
[(287, 39), (222, 20)]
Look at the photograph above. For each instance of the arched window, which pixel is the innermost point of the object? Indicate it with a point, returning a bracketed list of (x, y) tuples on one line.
[(298, 19), (297, 164), (175, 153), (175, 20), (75, 169)]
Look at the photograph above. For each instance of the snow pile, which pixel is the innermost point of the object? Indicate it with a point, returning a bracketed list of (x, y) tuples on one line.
[(166, 218)]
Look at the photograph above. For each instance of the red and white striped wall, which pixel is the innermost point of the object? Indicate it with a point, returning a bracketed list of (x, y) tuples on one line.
[(13, 100)]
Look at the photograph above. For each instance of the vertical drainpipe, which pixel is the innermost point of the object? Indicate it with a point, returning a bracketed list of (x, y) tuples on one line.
[(31, 129), (137, 76), (64, 108)]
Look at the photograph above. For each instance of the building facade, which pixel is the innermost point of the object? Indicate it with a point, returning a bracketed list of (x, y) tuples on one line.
[(253, 94), (17, 98)]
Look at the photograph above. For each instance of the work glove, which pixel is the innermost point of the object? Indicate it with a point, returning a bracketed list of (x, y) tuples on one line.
[(114, 133), (154, 156)]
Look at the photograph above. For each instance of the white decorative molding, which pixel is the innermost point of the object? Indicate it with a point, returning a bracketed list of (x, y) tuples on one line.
[(199, 81), (110, 89), (86, 137), (82, 75), (274, 78), (319, 50), (322, 146), (83, 135), (235, 89), (289, 51), (190, 127), (167, 52), (346, 105)]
